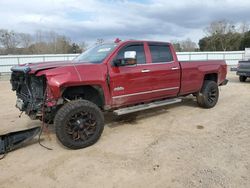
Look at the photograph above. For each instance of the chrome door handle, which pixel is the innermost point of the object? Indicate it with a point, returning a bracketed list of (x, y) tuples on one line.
[(145, 70), (174, 68)]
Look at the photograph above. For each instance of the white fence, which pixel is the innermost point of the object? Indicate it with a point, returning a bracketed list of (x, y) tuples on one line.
[(231, 57), (6, 62)]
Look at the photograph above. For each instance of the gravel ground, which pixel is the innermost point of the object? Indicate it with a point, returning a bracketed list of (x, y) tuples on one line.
[(180, 145)]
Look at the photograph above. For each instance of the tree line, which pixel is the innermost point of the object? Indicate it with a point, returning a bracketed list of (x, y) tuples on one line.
[(221, 35), (225, 36), (41, 42)]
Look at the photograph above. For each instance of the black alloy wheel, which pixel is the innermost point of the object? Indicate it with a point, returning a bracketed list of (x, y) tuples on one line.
[(212, 95), (209, 94), (79, 124)]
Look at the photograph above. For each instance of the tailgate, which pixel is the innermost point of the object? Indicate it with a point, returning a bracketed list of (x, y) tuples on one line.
[(244, 66)]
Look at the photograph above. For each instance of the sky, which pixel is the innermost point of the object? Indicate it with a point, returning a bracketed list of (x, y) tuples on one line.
[(88, 20)]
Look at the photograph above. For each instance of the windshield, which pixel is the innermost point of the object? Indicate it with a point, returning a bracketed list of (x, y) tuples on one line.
[(96, 54)]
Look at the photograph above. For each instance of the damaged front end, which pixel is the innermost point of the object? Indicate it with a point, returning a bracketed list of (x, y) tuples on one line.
[(31, 92)]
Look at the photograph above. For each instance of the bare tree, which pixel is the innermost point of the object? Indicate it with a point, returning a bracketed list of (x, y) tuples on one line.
[(220, 31), (83, 46), (9, 40), (188, 45), (62, 44), (220, 27), (42, 42), (177, 46), (25, 39), (38, 36), (52, 38), (99, 41), (244, 27)]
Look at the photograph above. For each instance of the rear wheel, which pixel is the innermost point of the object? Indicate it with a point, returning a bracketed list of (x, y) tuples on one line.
[(242, 78), (79, 124), (209, 94)]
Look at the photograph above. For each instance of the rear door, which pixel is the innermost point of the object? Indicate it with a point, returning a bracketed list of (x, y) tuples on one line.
[(130, 84), (165, 71)]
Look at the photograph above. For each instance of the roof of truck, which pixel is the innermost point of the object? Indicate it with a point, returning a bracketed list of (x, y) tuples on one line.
[(118, 41)]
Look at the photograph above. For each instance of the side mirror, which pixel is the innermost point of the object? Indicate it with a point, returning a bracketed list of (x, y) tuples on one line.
[(128, 59)]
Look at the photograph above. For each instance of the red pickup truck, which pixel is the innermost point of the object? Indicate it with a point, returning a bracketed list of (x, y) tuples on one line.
[(122, 77)]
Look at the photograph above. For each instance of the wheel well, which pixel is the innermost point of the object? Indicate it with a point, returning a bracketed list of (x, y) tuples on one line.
[(212, 76), (90, 93)]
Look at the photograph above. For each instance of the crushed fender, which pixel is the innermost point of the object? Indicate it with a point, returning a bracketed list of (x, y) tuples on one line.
[(14, 140)]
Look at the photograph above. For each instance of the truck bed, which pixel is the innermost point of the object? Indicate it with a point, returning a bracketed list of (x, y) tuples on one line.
[(193, 74)]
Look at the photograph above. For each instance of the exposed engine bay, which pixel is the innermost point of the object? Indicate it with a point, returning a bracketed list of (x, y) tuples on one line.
[(30, 91)]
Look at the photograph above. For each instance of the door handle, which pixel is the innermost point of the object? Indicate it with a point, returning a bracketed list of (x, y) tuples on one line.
[(145, 70), (174, 68)]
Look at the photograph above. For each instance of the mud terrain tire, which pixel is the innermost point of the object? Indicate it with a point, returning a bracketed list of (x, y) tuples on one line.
[(79, 124), (209, 94)]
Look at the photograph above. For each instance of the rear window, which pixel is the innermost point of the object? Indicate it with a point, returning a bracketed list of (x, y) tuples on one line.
[(160, 53)]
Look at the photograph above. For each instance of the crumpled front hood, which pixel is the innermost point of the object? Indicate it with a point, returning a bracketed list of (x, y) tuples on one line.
[(61, 74), (35, 67), (48, 65)]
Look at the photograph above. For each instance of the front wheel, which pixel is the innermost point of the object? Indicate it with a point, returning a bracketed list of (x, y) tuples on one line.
[(79, 124), (242, 78), (209, 94)]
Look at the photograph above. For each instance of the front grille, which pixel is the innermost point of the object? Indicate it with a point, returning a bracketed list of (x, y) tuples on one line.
[(19, 84), (30, 89), (23, 93)]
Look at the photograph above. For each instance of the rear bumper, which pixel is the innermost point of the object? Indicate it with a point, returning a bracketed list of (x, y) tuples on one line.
[(243, 73), (224, 82), (233, 69)]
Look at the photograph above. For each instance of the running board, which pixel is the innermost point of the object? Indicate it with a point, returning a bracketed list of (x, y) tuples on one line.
[(140, 107)]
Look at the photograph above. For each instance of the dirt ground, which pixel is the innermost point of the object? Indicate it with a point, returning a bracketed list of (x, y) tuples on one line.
[(180, 145)]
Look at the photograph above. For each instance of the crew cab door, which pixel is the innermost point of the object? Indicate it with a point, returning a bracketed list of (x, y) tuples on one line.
[(165, 70), (130, 84)]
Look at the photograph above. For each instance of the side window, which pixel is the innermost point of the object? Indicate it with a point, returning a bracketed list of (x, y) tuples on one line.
[(160, 53), (140, 54)]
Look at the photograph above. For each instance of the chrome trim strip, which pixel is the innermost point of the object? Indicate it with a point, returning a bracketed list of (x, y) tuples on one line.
[(145, 92), (158, 63)]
